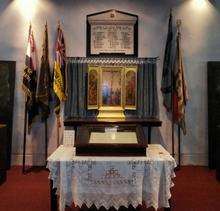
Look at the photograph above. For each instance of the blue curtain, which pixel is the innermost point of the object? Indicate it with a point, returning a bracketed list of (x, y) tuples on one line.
[(147, 99)]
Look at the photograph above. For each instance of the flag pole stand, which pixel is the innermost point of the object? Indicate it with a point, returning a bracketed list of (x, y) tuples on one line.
[(172, 106), (58, 131), (179, 146), (46, 141), (178, 23), (173, 144), (24, 139)]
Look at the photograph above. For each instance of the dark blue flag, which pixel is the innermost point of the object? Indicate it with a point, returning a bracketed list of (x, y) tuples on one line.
[(44, 81), (166, 82)]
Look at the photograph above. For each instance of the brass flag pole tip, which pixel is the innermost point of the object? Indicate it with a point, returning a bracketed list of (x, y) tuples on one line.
[(178, 22), (59, 23)]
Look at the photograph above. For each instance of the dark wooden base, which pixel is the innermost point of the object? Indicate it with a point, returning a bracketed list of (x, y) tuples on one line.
[(109, 150), (3, 152), (53, 197), (218, 174), (3, 176)]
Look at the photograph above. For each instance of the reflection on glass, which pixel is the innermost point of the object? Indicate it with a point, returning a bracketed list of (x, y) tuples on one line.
[(111, 87), (130, 88)]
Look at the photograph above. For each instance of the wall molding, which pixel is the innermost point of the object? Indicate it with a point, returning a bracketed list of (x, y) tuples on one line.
[(30, 159), (195, 159)]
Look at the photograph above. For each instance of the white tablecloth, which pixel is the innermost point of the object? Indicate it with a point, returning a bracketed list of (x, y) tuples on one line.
[(112, 181)]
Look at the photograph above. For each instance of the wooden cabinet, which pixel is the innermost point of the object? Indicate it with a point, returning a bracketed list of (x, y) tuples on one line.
[(7, 84), (3, 153), (214, 116)]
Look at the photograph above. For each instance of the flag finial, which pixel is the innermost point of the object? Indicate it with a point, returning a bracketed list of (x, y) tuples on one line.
[(178, 24), (59, 23), (171, 11)]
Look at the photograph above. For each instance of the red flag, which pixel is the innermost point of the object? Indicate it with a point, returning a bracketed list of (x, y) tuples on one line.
[(30, 78)]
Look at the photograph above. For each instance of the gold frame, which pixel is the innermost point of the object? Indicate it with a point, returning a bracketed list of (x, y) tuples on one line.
[(112, 69), (106, 111), (111, 111), (97, 69), (128, 69)]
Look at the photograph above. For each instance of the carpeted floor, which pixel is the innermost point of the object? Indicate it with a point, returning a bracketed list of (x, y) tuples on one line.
[(196, 189)]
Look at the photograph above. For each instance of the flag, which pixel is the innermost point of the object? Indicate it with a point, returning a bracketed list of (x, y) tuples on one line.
[(43, 94), (30, 78), (59, 76), (180, 95), (166, 82)]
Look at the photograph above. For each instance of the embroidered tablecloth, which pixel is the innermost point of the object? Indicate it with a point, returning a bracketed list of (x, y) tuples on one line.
[(112, 181)]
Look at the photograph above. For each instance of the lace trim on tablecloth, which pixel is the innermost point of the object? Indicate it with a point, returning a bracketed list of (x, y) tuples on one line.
[(153, 187)]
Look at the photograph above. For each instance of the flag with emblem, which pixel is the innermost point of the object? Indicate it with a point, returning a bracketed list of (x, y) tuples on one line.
[(44, 84), (180, 95), (59, 75), (30, 79)]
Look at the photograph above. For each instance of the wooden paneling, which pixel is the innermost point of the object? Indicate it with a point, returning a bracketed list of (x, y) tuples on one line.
[(7, 84), (214, 115), (3, 153)]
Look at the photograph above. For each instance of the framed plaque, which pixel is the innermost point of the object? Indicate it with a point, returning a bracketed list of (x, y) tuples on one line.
[(112, 32)]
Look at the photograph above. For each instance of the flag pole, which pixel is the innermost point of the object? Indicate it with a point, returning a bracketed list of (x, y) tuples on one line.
[(178, 23), (172, 106), (25, 132), (173, 143), (58, 130), (46, 141), (179, 146)]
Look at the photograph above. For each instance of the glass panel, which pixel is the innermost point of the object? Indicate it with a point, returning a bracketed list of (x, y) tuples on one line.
[(111, 87), (113, 137)]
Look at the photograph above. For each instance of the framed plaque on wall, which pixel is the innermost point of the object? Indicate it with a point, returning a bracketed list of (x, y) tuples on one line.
[(112, 32)]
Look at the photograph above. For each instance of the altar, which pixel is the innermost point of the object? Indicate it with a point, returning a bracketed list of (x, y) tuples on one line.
[(112, 181), (112, 106)]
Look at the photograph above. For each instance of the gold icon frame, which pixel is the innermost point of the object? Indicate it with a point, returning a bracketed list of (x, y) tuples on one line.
[(111, 84)]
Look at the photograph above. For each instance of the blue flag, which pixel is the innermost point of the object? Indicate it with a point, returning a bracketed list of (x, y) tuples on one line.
[(166, 82)]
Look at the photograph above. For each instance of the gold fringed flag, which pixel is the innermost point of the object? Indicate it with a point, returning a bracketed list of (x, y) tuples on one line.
[(166, 82), (30, 78), (44, 80), (59, 76), (180, 96)]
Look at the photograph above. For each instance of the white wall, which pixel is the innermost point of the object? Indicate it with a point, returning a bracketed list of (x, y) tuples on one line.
[(200, 43)]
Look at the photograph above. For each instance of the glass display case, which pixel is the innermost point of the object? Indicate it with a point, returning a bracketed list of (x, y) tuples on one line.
[(118, 137)]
